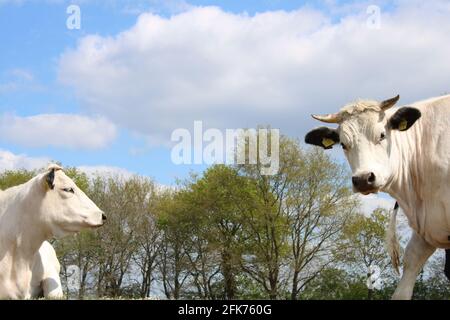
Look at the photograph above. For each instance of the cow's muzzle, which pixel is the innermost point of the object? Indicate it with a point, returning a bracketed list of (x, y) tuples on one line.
[(365, 183)]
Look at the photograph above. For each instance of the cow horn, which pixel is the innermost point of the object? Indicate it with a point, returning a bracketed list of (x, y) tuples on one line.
[(386, 104), (329, 118)]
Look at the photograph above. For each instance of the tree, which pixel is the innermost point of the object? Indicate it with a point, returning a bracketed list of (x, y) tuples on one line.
[(11, 178), (361, 246), (81, 251), (267, 223), (148, 236), (318, 205), (334, 284), (302, 208), (218, 206), (173, 261), (125, 201)]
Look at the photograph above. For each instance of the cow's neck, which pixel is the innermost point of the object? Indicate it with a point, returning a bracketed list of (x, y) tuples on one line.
[(404, 185)]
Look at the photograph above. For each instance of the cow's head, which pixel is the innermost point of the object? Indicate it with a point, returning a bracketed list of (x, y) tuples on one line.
[(65, 208), (364, 132)]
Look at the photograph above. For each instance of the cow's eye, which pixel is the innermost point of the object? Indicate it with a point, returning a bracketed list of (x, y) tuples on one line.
[(344, 146), (70, 190), (382, 136)]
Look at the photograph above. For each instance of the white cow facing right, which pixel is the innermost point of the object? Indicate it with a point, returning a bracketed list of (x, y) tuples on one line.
[(49, 205)]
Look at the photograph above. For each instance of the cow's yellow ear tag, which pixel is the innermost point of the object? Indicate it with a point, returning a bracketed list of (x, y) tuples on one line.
[(327, 142), (403, 125)]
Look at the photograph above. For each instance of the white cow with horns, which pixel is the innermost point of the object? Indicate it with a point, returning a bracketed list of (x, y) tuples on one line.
[(49, 205), (406, 153)]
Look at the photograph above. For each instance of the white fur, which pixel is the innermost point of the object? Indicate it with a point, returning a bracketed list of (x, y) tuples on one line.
[(30, 214)]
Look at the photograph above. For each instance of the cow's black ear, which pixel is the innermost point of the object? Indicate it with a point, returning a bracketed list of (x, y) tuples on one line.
[(404, 118), (50, 179), (323, 137)]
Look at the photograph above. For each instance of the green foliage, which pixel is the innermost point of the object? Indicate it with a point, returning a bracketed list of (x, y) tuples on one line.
[(337, 284), (10, 178), (362, 242), (216, 207), (250, 289), (300, 210), (432, 284)]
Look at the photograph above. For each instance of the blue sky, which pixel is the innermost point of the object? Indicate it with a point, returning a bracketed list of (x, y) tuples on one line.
[(232, 68), (34, 36)]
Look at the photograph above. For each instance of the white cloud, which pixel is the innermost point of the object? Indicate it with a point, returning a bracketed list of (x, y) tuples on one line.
[(156, 6), (22, 74), (235, 70), (106, 171), (373, 201), (17, 79), (59, 130), (121, 173), (11, 161)]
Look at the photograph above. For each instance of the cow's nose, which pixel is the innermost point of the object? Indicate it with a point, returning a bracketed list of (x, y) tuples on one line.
[(364, 182), (103, 217)]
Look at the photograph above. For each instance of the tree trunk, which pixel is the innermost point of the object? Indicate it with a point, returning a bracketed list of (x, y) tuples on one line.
[(227, 272), (294, 291), (369, 294)]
